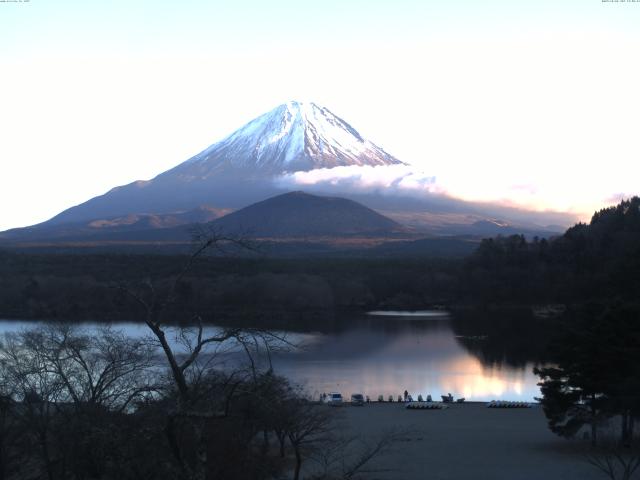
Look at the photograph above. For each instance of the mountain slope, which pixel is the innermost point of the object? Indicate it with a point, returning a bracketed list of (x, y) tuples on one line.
[(299, 214), (133, 227), (239, 170)]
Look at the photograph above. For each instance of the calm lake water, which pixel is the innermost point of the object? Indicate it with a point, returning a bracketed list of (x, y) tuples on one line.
[(384, 355)]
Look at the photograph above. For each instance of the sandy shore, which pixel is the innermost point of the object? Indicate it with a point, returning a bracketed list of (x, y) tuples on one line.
[(470, 441)]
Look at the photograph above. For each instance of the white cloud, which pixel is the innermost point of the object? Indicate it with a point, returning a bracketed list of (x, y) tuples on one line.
[(527, 189), (388, 180)]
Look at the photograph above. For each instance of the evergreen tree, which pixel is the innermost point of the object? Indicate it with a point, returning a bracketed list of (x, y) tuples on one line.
[(598, 372)]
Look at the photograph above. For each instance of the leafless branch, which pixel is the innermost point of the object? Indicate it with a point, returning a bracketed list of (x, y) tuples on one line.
[(617, 463)]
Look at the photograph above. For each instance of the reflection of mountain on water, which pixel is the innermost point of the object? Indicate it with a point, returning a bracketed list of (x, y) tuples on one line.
[(506, 336)]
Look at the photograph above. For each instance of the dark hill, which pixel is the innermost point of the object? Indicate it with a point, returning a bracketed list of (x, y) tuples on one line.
[(298, 214)]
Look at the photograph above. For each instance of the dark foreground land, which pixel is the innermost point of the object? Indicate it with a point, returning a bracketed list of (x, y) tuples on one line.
[(469, 441)]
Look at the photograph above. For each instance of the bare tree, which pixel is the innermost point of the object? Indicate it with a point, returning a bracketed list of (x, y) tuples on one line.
[(67, 385), (104, 368), (307, 427), (615, 460), (189, 360), (38, 392), (154, 304), (10, 431), (351, 457)]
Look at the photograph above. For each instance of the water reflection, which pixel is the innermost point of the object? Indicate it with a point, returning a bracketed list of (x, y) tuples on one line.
[(384, 356), (504, 336), (410, 314)]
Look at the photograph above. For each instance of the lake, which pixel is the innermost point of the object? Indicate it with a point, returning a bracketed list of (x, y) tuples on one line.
[(384, 354)]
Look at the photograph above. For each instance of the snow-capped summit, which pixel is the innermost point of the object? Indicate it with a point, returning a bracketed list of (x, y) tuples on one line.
[(295, 136)]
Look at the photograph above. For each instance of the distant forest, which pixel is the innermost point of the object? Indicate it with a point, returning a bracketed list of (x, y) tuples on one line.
[(599, 261)]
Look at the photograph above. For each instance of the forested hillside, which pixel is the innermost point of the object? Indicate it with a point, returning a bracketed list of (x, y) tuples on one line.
[(599, 260)]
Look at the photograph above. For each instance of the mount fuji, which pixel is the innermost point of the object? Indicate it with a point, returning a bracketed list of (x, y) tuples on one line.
[(240, 169), (248, 167)]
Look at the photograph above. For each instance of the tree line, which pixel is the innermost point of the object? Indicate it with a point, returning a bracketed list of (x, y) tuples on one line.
[(79, 287), (599, 260)]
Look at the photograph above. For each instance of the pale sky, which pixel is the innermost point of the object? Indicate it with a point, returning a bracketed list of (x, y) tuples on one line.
[(535, 103)]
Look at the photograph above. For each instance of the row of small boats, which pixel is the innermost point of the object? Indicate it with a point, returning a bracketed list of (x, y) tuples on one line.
[(508, 404), (426, 406), (442, 405)]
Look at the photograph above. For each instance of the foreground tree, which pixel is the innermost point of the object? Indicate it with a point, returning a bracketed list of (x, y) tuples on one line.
[(598, 372), (69, 388), (201, 398), (307, 427), (10, 431)]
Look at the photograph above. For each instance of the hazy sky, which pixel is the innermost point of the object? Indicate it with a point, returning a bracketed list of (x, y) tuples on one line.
[(535, 102)]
